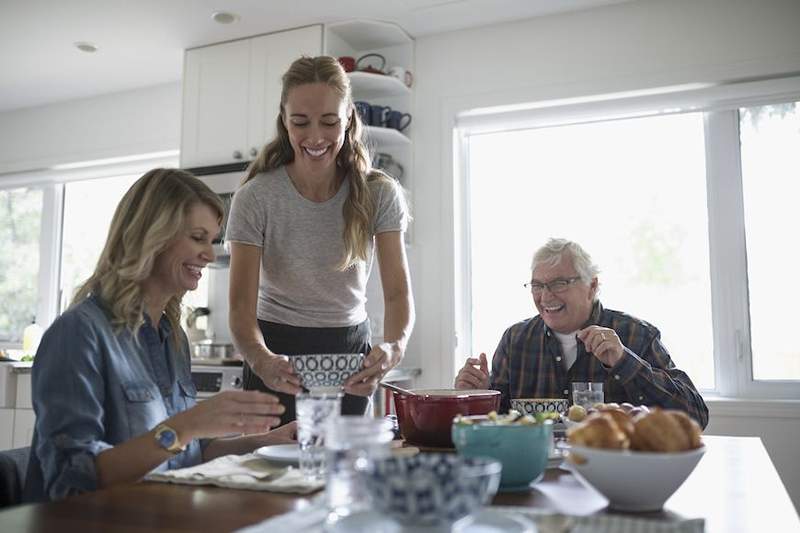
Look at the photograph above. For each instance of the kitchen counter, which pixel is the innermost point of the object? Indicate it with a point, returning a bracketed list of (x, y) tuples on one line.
[(20, 367)]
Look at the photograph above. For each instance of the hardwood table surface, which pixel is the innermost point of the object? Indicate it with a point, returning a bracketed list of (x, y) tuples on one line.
[(735, 487)]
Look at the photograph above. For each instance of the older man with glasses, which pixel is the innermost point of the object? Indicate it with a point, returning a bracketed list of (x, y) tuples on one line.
[(574, 339)]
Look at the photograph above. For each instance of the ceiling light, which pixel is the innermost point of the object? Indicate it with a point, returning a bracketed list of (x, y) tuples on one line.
[(85, 46), (224, 17)]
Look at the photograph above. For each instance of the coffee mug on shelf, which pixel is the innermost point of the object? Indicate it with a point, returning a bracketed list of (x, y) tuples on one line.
[(364, 111), (379, 114), (398, 120), (402, 74), (348, 63), (387, 163)]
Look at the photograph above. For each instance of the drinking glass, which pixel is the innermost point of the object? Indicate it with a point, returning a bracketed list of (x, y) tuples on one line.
[(587, 394), (351, 443), (313, 410)]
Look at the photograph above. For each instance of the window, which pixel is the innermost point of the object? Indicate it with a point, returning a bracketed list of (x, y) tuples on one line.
[(687, 201), (53, 224), (20, 230), (616, 188), (770, 147)]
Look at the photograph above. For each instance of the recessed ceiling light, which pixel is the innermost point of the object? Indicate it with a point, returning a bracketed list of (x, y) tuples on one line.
[(85, 46), (224, 17)]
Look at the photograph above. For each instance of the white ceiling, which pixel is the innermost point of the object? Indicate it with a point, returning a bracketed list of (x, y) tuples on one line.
[(141, 41)]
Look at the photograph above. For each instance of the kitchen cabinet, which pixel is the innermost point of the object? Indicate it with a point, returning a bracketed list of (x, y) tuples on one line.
[(231, 94), (24, 421)]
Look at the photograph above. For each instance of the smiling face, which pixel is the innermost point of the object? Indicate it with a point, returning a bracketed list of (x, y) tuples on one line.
[(566, 311), (178, 268), (315, 116)]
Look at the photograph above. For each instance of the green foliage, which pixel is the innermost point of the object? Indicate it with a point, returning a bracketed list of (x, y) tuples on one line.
[(20, 229)]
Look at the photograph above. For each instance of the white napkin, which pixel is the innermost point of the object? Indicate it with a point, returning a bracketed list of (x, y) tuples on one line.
[(248, 471)]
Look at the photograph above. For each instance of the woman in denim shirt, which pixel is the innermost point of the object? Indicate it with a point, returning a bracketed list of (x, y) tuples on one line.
[(112, 387)]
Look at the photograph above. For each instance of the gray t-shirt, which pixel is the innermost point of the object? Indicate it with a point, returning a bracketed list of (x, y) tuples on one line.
[(302, 243)]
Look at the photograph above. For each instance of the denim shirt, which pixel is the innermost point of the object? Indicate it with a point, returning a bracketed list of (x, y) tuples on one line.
[(95, 387)]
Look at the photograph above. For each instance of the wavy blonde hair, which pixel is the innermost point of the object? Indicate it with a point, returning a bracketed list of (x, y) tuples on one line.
[(147, 220), (353, 159)]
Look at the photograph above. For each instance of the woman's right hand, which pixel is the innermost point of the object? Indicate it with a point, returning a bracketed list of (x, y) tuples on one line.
[(277, 373), (226, 413)]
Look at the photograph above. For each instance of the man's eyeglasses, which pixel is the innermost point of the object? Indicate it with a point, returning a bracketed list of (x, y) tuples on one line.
[(555, 286)]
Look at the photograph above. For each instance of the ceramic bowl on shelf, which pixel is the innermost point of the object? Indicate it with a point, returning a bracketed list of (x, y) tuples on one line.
[(522, 449), (426, 416), (431, 489), (630, 480), (326, 372)]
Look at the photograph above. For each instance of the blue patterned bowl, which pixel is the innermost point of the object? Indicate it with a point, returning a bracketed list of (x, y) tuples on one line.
[(326, 372), (431, 488), (531, 406)]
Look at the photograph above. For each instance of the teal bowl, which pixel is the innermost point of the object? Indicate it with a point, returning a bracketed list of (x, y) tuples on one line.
[(521, 449)]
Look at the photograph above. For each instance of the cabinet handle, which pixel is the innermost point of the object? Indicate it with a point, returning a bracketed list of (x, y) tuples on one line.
[(254, 151), (237, 154)]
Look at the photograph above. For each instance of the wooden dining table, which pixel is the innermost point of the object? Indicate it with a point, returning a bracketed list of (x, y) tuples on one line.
[(735, 488)]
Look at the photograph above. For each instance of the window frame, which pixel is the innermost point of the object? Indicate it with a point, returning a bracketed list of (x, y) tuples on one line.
[(51, 181), (720, 104)]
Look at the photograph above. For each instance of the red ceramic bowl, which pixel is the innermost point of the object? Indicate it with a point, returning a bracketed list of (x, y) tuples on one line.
[(426, 418)]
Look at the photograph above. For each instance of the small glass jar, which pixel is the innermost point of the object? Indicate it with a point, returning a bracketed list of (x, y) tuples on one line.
[(351, 443)]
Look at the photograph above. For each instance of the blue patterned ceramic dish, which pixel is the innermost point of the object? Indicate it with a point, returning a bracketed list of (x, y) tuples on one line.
[(326, 372), (531, 406), (432, 488)]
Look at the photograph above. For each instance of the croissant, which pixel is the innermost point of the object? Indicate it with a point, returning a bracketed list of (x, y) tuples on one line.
[(658, 431), (690, 427), (622, 419), (598, 431)]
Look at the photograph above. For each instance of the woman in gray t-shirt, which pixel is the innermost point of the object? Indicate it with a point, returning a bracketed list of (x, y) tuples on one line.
[(304, 228)]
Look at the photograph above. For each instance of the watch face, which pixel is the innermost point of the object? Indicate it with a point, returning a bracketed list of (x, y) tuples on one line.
[(167, 438)]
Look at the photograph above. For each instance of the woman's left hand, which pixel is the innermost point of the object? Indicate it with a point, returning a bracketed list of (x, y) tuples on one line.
[(378, 362)]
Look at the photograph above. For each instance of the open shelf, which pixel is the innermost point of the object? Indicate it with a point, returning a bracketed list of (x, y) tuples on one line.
[(383, 137), (368, 84), (369, 34)]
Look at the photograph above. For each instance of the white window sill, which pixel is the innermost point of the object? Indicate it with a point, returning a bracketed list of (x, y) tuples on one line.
[(749, 407)]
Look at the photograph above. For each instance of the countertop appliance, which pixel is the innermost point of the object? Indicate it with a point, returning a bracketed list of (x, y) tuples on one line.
[(211, 379)]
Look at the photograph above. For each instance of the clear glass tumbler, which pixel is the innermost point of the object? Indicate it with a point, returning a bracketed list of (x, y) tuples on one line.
[(587, 394), (351, 442), (313, 411)]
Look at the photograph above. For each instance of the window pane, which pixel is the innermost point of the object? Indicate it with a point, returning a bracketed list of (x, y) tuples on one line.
[(770, 144), (20, 229), (632, 192), (88, 208)]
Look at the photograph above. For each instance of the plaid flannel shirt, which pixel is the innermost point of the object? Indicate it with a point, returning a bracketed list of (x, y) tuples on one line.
[(528, 363)]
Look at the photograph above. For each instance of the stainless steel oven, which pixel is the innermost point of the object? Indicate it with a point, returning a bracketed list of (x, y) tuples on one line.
[(211, 379)]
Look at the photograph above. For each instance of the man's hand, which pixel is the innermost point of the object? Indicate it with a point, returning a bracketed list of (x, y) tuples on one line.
[(474, 374), (603, 343)]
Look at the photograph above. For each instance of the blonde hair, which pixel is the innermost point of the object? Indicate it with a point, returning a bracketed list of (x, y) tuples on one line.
[(353, 159), (148, 218)]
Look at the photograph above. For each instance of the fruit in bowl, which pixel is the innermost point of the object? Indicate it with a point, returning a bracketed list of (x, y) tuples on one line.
[(520, 442), (326, 372), (431, 489), (636, 462)]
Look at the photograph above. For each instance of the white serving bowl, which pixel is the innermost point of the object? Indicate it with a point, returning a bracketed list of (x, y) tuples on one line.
[(633, 481), (326, 372)]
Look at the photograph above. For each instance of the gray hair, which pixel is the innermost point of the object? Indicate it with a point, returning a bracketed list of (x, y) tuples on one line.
[(554, 249)]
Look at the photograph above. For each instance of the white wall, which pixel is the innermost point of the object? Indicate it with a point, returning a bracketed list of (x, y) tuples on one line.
[(617, 48), (120, 124)]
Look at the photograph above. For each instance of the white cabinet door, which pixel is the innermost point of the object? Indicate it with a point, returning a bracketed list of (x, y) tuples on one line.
[(6, 429), (24, 420), (271, 56), (215, 107)]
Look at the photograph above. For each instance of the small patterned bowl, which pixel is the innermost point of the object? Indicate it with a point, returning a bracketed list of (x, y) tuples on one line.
[(431, 489), (531, 406), (326, 372)]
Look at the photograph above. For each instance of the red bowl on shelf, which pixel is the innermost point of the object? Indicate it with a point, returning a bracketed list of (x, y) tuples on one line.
[(426, 417)]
